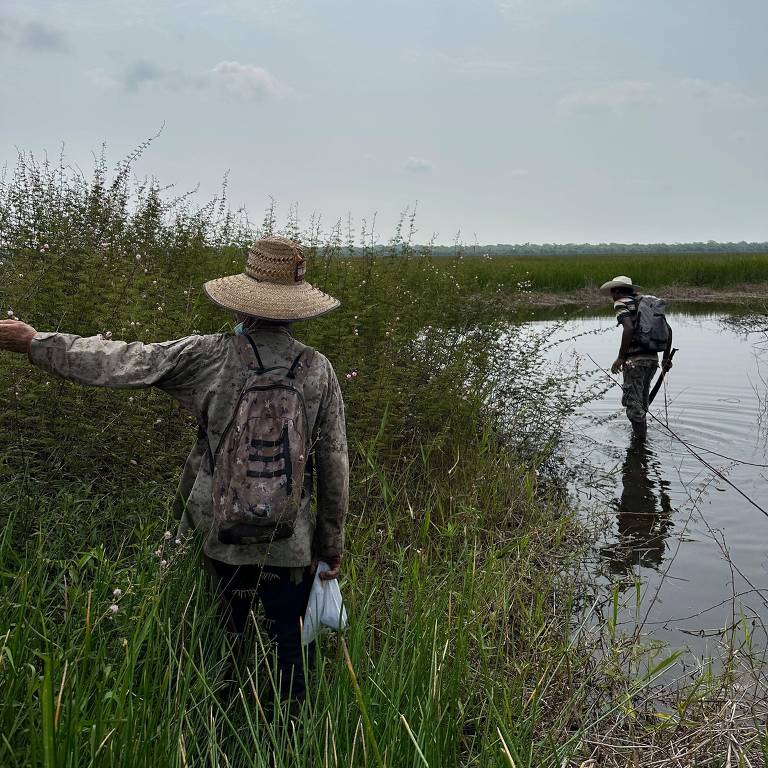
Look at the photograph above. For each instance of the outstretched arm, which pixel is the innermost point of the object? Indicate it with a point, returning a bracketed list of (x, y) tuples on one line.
[(173, 366)]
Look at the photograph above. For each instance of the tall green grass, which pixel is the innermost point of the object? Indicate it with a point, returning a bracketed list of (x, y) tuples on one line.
[(573, 273)]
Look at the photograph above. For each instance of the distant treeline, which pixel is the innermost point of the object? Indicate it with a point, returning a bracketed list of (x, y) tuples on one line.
[(578, 249)]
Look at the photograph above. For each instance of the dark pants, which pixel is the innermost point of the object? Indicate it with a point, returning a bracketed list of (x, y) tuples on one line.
[(242, 587)]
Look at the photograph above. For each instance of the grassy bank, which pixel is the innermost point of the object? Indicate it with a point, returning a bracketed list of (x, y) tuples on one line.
[(715, 271), (472, 640)]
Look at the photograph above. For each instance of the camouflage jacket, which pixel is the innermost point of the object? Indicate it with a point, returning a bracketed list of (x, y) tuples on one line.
[(206, 375)]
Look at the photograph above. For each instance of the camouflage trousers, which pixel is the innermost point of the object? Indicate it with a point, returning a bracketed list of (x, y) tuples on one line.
[(638, 375)]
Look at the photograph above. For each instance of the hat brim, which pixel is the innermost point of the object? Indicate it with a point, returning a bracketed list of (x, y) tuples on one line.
[(270, 301), (611, 284)]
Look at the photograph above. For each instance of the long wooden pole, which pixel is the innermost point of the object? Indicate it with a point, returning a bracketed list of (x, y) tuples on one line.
[(659, 381)]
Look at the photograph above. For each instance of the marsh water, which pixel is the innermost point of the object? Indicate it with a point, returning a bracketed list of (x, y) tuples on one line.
[(697, 547)]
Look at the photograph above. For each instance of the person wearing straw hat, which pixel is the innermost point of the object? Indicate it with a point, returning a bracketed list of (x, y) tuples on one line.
[(637, 362), (252, 552)]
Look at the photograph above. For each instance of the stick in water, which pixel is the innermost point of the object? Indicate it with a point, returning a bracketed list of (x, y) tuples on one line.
[(660, 380)]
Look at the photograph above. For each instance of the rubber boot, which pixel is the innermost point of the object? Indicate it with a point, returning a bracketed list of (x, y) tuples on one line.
[(639, 430)]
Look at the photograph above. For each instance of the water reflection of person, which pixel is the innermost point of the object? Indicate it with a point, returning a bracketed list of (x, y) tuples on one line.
[(643, 512)]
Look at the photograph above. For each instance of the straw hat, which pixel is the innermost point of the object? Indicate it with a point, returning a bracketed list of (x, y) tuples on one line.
[(622, 281), (272, 286)]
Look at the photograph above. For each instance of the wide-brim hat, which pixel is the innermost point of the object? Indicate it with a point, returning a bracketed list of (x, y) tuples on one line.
[(273, 285), (622, 281)]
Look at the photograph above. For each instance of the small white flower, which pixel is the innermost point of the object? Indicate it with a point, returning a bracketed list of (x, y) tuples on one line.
[(138, 257), (163, 563), (159, 552), (177, 541), (100, 337), (117, 592), (133, 461), (167, 535), (10, 313), (354, 374), (108, 335), (113, 609)]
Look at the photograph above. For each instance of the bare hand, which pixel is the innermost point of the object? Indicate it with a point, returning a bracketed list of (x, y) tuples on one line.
[(334, 563), (666, 363), (16, 336), (618, 365)]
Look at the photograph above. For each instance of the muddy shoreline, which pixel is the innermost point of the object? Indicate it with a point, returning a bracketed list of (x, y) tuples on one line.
[(755, 295)]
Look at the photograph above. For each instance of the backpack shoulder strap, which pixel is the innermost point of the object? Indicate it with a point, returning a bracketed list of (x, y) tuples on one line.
[(248, 351), (301, 365)]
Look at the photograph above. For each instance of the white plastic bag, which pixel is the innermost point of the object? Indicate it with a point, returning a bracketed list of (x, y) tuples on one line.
[(325, 609)]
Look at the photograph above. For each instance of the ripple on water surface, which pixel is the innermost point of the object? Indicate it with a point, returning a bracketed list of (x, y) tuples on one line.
[(712, 400)]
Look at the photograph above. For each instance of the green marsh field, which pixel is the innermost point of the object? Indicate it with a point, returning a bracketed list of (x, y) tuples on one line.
[(474, 639), (575, 273)]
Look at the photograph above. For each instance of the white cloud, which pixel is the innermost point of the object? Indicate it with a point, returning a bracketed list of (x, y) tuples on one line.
[(102, 79), (246, 81), (715, 94), (417, 165), (628, 93), (611, 96), (231, 78)]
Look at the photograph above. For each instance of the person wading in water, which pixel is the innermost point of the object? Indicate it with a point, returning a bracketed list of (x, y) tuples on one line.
[(638, 356), (271, 420)]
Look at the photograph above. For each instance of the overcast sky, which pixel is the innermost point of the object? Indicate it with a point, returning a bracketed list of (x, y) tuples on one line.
[(512, 120)]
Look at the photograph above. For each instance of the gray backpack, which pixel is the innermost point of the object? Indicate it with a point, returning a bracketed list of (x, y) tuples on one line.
[(259, 463), (651, 331)]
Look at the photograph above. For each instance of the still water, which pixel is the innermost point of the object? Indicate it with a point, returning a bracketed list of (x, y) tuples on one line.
[(697, 546)]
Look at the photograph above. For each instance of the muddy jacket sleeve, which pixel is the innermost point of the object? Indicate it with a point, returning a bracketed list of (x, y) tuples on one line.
[(173, 366), (332, 466)]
